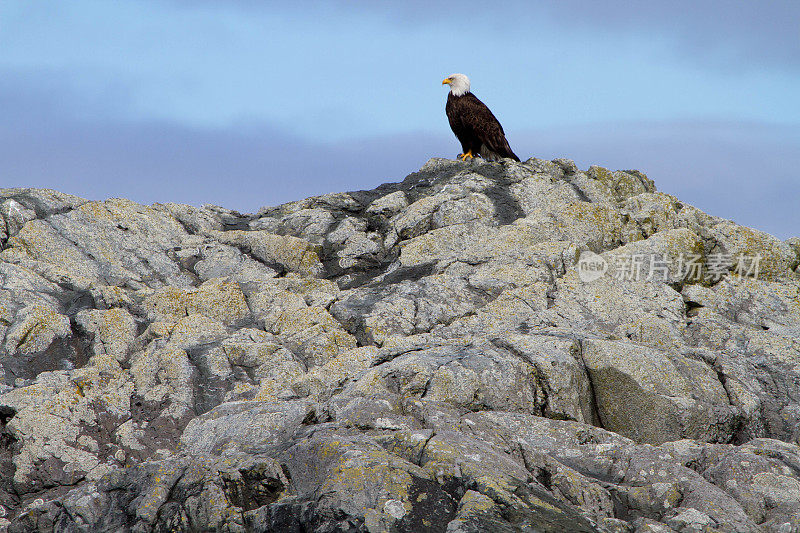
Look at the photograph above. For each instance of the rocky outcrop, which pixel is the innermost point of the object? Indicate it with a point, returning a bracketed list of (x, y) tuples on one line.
[(481, 347)]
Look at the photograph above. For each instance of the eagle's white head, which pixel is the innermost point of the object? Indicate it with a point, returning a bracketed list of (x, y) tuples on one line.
[(459, 84)]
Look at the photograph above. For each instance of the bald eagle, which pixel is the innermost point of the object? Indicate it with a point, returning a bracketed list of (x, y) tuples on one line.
[(475, 126)]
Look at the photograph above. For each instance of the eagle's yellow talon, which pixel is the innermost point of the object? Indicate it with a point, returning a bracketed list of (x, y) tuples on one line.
[(464, 157)]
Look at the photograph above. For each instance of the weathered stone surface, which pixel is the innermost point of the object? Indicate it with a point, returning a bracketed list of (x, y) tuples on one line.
[(427, 356), (217, 298), (283, 251), (777, 259), (653, 396)]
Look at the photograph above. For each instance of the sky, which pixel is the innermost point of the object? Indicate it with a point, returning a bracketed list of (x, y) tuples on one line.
[(245, 103)]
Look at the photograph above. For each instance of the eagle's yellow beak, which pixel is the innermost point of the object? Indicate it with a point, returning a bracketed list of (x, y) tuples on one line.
[(446, 81)]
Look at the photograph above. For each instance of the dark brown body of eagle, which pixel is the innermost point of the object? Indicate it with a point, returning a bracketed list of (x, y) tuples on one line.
[(477, 128)]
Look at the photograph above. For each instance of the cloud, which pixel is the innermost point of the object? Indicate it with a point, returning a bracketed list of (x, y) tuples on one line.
[(244, 167), (720, 32), (732, 35)]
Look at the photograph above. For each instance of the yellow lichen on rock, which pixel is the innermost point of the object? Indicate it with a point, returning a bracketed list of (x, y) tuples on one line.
[(293, 253), (219, 299), (37, 328)]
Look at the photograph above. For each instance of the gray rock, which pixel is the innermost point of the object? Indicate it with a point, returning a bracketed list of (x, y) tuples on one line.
[(794, 243), (653, 396), (750, 248), (428, 356), (245, 427), (389, 205)]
